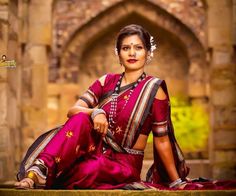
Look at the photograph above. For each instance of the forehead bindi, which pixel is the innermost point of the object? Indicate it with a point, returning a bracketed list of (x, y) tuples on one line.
[(132, 40)]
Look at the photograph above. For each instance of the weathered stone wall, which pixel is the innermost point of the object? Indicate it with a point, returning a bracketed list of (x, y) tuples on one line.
[(223, 85), (4, 129), (10, 90), (70, 17), (35, 70), (26, 38)]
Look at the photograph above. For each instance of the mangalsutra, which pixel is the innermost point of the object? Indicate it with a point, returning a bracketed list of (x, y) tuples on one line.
[(113, 108)]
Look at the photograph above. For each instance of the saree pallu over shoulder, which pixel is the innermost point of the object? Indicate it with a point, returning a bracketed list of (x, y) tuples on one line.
[(157, 172), (136, 113), (140, 111), (132, 118)]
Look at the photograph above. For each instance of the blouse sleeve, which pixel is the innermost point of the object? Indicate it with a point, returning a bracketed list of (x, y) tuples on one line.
[(93, 94), (159, 117)]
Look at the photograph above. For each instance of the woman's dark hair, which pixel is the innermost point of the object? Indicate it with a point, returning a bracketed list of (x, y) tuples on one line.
[(133, 29)]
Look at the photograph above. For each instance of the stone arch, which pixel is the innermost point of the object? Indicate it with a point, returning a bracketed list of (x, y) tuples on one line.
[(155, 15), (98, 57)]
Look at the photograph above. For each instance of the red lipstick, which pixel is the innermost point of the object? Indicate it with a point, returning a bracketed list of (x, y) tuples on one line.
[(132, 60)]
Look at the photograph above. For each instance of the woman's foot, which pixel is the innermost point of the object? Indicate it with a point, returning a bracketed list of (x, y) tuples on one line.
[(26, 183), (32, 180)]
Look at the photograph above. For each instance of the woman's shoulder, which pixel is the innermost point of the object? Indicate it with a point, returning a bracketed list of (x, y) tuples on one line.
[(155, 77), (107, 78), (112, 76), (160, 94)]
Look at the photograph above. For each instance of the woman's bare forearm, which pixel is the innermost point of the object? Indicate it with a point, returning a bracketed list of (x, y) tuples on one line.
[(163, 146), (80, 106), (76, 109)]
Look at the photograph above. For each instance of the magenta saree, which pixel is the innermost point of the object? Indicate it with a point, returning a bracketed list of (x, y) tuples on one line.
[(76, 157)]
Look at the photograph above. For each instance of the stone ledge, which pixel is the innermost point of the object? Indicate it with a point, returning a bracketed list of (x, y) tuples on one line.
[(14, 192), (198, 168)]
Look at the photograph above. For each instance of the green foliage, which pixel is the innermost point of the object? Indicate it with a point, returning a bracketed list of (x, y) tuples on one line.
[(191, 125)]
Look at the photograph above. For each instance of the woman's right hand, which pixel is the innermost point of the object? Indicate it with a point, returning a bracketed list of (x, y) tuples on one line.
[(101, 124)]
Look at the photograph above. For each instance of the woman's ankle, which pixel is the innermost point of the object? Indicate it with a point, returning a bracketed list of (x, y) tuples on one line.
[(36, 178)]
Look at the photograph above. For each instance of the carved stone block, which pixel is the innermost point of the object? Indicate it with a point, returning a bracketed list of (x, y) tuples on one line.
[(224, 117), (225, 139)]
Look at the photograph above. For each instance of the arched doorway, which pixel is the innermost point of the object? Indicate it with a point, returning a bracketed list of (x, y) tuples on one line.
[(88, 54)]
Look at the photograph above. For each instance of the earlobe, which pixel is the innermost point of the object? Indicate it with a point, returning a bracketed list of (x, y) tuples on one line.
[(120, 61), (148, 58)]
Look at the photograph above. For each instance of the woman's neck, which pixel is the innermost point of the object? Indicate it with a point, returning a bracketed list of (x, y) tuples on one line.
[(132, 76)]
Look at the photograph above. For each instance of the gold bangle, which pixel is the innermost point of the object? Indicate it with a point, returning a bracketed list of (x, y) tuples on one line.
[(32, 176)]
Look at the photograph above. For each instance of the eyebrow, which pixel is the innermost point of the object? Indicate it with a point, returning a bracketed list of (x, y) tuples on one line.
[(132, 44)]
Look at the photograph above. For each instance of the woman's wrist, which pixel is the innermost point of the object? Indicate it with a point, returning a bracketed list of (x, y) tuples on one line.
[(32, 175), (96, 112), (31, 179)]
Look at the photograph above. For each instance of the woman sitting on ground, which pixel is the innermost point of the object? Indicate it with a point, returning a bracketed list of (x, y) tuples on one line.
[(101, 146)]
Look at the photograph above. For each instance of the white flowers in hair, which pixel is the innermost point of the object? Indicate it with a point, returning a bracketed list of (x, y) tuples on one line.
[(153, 46), (116, 51)]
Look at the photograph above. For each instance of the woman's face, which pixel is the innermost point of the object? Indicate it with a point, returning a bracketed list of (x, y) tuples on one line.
[(133, 54)]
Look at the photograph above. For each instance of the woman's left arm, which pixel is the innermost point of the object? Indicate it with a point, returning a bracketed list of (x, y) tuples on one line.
[(163, 147), (161, 140)]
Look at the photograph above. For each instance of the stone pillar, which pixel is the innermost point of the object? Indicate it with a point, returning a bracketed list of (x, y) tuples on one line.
[(222, 89), (35, 71)]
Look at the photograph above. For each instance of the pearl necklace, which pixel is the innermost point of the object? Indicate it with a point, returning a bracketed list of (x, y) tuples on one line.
[(113, 108)]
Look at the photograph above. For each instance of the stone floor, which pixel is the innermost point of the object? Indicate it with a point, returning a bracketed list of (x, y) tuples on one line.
[(14, 192), (198, 168)]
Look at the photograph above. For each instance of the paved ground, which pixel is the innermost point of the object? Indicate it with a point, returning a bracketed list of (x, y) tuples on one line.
[(14, 192)]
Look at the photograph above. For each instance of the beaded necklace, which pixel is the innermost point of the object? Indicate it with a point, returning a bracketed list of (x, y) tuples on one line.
[(113, 108)]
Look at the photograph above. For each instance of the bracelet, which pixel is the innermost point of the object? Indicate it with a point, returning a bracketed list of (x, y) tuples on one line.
[(176, 183), (96, 112), (32, 176)]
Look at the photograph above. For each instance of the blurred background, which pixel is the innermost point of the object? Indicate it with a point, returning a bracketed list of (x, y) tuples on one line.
[(61, 46)]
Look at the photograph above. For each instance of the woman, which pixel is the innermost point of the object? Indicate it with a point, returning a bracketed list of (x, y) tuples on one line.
[(101, 145)]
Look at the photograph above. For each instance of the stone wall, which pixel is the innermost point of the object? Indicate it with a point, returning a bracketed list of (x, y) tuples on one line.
[(35, 69), (70, 17), (26, 39), (223, 85), (10, 90), (4, 129)]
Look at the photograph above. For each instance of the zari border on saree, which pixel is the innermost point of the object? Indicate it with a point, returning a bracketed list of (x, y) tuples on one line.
[(138, 111), (38, 146)]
